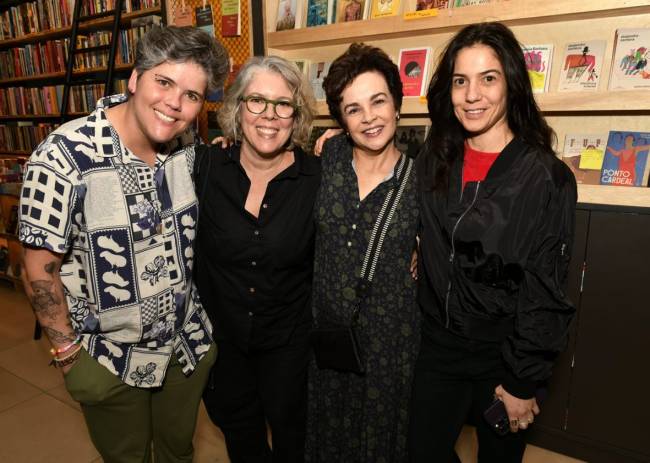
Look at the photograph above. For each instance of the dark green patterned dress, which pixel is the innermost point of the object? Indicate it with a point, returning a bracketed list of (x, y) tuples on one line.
[(355, 419)]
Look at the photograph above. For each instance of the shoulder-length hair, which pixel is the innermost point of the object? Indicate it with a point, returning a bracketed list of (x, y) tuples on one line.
[(303, 98), (446, 138)]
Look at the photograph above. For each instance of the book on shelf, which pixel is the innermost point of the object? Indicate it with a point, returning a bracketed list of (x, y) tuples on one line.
[(461, 3), (289, 15), (231, 18), (630, 70), (204, 20), (413, 66), (351, 10), (582, 64), (409, 138), (626, 159), (538, 60), (422, 5), (320, 12), (383, 8), (584, 154), (317, 73), (302, 65)]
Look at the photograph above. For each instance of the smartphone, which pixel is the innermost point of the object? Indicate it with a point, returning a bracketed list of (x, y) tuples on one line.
[(497, 417)]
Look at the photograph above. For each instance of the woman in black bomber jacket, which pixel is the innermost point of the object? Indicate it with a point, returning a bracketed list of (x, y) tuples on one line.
[(497, 210)]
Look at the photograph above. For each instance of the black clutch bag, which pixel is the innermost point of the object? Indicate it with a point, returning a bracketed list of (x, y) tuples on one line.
[(337, 348)]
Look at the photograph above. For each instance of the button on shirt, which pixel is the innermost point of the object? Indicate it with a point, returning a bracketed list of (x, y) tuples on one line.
[(254, 274), (126, 231)]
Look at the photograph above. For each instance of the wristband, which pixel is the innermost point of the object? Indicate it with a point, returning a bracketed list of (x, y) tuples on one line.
[(67, 360), (64, 349)]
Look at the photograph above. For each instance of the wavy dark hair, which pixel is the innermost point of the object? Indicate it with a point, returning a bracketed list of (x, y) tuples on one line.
[(358, 59), (445, 141)]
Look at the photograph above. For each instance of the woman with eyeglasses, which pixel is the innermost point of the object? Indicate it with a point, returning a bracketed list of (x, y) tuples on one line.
[(255, 249)]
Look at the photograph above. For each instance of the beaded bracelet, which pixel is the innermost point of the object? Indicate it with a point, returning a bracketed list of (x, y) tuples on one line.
[(64, 349)]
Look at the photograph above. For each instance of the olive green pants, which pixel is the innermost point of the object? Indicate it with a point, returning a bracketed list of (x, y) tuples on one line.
[(123, 421)]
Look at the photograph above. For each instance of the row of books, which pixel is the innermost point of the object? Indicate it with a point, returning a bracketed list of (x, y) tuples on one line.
[(37, 16), (23, 136), (51, 56), (30, 101), (582, 63), (91, 7), (294, 14), (34, 59), (11, 169), (617, 158)]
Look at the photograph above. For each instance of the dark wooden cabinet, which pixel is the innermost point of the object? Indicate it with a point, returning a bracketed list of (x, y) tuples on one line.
[(597, 408)]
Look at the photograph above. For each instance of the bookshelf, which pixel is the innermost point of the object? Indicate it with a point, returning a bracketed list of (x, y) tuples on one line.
[(552, 21), (35, 52)]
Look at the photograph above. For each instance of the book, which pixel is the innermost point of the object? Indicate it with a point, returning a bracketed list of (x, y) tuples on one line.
[(317, 73), (421, 5), (383, 8), (538, 62), (318, 12), (582, 65), (413, 69), (460, 3), (230, 18), (289, 15), (410, 138), (350, 10), (302, 65), (584, 154), (630, 69), (204, 19), (626, 159)]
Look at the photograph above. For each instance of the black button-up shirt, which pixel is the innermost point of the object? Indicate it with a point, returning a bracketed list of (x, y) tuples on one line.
[(254, 274)]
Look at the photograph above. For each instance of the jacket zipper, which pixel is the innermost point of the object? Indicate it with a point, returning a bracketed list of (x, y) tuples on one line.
[(453, 250)]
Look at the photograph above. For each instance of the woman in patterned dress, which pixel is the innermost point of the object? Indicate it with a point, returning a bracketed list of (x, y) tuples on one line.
[(364, 418)]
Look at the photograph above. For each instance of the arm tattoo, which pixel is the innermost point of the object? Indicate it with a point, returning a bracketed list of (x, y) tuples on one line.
[(56, 336), (44, 298), (50, 267)]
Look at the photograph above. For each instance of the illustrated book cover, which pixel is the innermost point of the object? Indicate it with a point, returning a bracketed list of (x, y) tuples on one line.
[(410, 138), (351, 10), (630, 70), (317, 73), (584, 154), (289, 15), (383, 8), (538, 62), (582, 64), (626, 159), (413, 66)]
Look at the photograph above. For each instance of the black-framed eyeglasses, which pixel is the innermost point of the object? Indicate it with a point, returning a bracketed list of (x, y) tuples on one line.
[(257, 105)]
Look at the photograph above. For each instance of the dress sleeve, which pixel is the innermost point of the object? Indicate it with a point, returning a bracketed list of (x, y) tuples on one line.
[(51, 199), (544, 312)]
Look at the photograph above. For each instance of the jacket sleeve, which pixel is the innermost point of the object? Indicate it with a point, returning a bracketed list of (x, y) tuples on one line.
[(544, 312)]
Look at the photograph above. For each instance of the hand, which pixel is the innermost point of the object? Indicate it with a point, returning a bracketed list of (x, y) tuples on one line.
[(414, 265), (329, 133), (521, 412), (225, 142)]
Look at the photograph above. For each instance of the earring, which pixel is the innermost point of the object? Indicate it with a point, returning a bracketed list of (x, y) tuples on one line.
[(397, 116)]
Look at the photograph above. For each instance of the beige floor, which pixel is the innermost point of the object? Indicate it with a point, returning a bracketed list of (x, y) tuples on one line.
[(40, 423)]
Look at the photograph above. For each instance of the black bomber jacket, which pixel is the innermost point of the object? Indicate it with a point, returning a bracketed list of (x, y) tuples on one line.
[(494, 259)]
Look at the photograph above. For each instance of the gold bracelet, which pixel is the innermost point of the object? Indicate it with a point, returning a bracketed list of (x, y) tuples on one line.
[(67, 360)]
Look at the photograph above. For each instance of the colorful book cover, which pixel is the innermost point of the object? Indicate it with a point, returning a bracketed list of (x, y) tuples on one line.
[(431, 4), (630, 68), (350, 10), (317, 12), (584, 154), (204, 19), (302, 65), (538, 62), (413, 69), (409, 138), (231, 18), (383, 8), (582, 65), (317, 73), (459, 3), (625, 159), (286, 15)]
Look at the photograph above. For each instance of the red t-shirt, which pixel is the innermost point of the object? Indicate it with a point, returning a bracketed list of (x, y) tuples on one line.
[(476, 164)]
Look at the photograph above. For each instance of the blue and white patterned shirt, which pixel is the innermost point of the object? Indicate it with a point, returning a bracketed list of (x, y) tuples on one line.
[(126, 231)]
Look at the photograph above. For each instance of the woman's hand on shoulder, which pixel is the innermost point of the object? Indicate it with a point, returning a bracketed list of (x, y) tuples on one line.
[(225, 141), (329, 133)]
